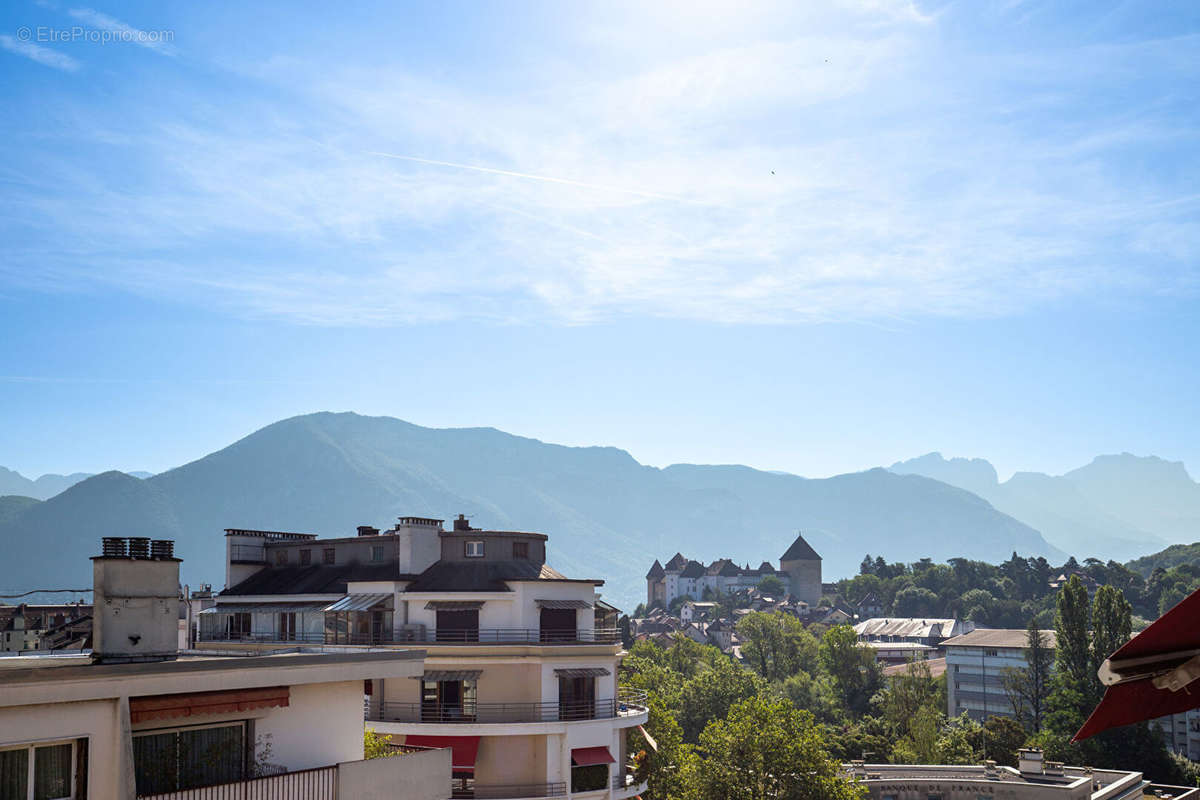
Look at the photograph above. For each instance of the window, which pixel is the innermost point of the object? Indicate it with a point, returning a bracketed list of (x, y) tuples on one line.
[(305, 557), (448, 701), (43, 771), (521, 550), (377, 552), (280, 557), (187, 758), (474, 549), (327, 556)]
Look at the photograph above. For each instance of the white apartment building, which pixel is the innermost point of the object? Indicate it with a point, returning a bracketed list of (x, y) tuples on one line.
[(974, 663), (136, 719), (1032, 779), (520, 673)]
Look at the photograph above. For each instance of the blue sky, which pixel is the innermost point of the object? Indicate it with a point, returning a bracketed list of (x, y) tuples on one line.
[(805, 237)]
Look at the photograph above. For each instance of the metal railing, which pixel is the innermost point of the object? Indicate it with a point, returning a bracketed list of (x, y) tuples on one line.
[(483, 713), (628, 702), (506, 791), (307, 784), (438, 636)]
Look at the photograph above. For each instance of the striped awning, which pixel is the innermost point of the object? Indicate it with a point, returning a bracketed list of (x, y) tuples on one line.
[(265, 608), (582, 672), (454, 605), (358, 602), (565, 604), (450, 675), (170, 706)]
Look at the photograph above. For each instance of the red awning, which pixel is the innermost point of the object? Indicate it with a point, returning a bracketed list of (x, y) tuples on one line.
[(168, 706), (464, 749), (1149, 676), (587, 756)]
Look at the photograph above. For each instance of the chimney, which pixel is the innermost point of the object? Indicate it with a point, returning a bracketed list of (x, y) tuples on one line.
[(367, 530), (135, 585), (462, 523)]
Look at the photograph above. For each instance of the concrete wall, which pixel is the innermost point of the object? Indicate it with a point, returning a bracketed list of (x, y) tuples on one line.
[(97, 721), (511, 760), (412, 776), (322, 725), (805, 580)]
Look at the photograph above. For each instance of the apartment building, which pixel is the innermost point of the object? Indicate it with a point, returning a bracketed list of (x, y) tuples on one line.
[(1032, 779), (25, 626), (520, 675), (135, 718), (974, 663)]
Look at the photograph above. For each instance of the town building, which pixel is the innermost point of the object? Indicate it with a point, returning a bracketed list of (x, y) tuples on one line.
[(799, 572), (975, 662), (897, 640), (25, 626), (520, 673), (137, 718), (1032, 779)]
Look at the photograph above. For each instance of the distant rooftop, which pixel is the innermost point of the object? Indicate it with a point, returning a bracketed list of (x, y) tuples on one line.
[(998, 637)]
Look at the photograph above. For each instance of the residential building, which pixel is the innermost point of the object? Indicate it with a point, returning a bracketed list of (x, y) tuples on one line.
[(897, 640), (1181, 732), (23, 626), (799, 572), (974, 663), (135, 718), (1032, 779), (520, 675)]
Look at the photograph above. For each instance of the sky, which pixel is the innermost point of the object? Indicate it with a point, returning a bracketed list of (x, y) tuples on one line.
[(811, 237)]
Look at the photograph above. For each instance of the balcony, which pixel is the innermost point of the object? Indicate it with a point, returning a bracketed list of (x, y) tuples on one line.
[(471, 636), (309, 784), (627, 785), (247, 554), (468, 789), (629, 702)]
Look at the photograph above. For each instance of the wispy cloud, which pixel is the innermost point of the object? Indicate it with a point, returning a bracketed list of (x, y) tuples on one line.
[(826, 168), (42, 55), (151, 40)]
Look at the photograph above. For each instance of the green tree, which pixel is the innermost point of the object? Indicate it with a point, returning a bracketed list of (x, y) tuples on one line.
[(776, 645), (665, 766), (1004, 736), (852, 669), (771, 585), (907, 694), (712, 692), (767, 750), (377, 745), (1028, 687)]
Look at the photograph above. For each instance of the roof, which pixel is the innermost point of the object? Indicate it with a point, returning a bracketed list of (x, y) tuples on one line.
[(485, 576), (997, 637), (905, 626), (482, 532), (694, 569), (937, 668), (800, 551), (677, 562), (314, 579), (656, 571)]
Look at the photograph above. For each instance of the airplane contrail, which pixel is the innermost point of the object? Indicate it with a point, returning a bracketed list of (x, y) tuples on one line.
[(527, 176)]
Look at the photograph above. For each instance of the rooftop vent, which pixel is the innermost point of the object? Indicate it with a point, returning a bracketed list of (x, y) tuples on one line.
[(367, 530), (462, 523), (135, 584)]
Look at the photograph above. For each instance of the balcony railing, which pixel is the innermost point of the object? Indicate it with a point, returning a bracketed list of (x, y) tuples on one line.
[(247, 554), (628, 702), (307, 784), (516, 636), (483, 713), (507, 791)]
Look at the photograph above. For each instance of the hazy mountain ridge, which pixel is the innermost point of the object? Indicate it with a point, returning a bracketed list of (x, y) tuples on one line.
[(13, 483), (1121, 506), (608, 516)]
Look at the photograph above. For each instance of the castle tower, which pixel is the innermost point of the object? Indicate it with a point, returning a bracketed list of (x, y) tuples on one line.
[(655, 590), (803, 567)]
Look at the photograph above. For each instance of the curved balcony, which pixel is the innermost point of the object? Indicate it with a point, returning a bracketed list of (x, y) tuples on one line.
[(627, 785), (467, 636), (628, 703), (469, 790)]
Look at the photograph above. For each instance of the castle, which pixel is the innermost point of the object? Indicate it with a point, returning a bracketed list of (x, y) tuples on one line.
[(799, 571)]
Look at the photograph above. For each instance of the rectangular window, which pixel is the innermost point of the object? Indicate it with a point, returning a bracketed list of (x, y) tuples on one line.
[(280, 557), (377, 552), (521, 550), (187, 758), (305, 557), (42, 771), (474, 549), (458, 626), (328, 556)]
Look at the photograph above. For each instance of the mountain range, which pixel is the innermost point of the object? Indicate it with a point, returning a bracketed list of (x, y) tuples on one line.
[(607, 515), (45, 487), (1118, 506)]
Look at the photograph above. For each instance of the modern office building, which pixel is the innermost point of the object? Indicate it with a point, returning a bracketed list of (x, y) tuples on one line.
[(520, 675), (975, 662)]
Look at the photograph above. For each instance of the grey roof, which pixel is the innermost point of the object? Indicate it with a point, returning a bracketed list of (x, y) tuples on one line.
[(800, 551), (563, 604), (314, 579), (677, 562), (358, 602), (450, 675), (905, 626), (694, 569), (999, 637), (485, 576), (656, 570), (582, 672)]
